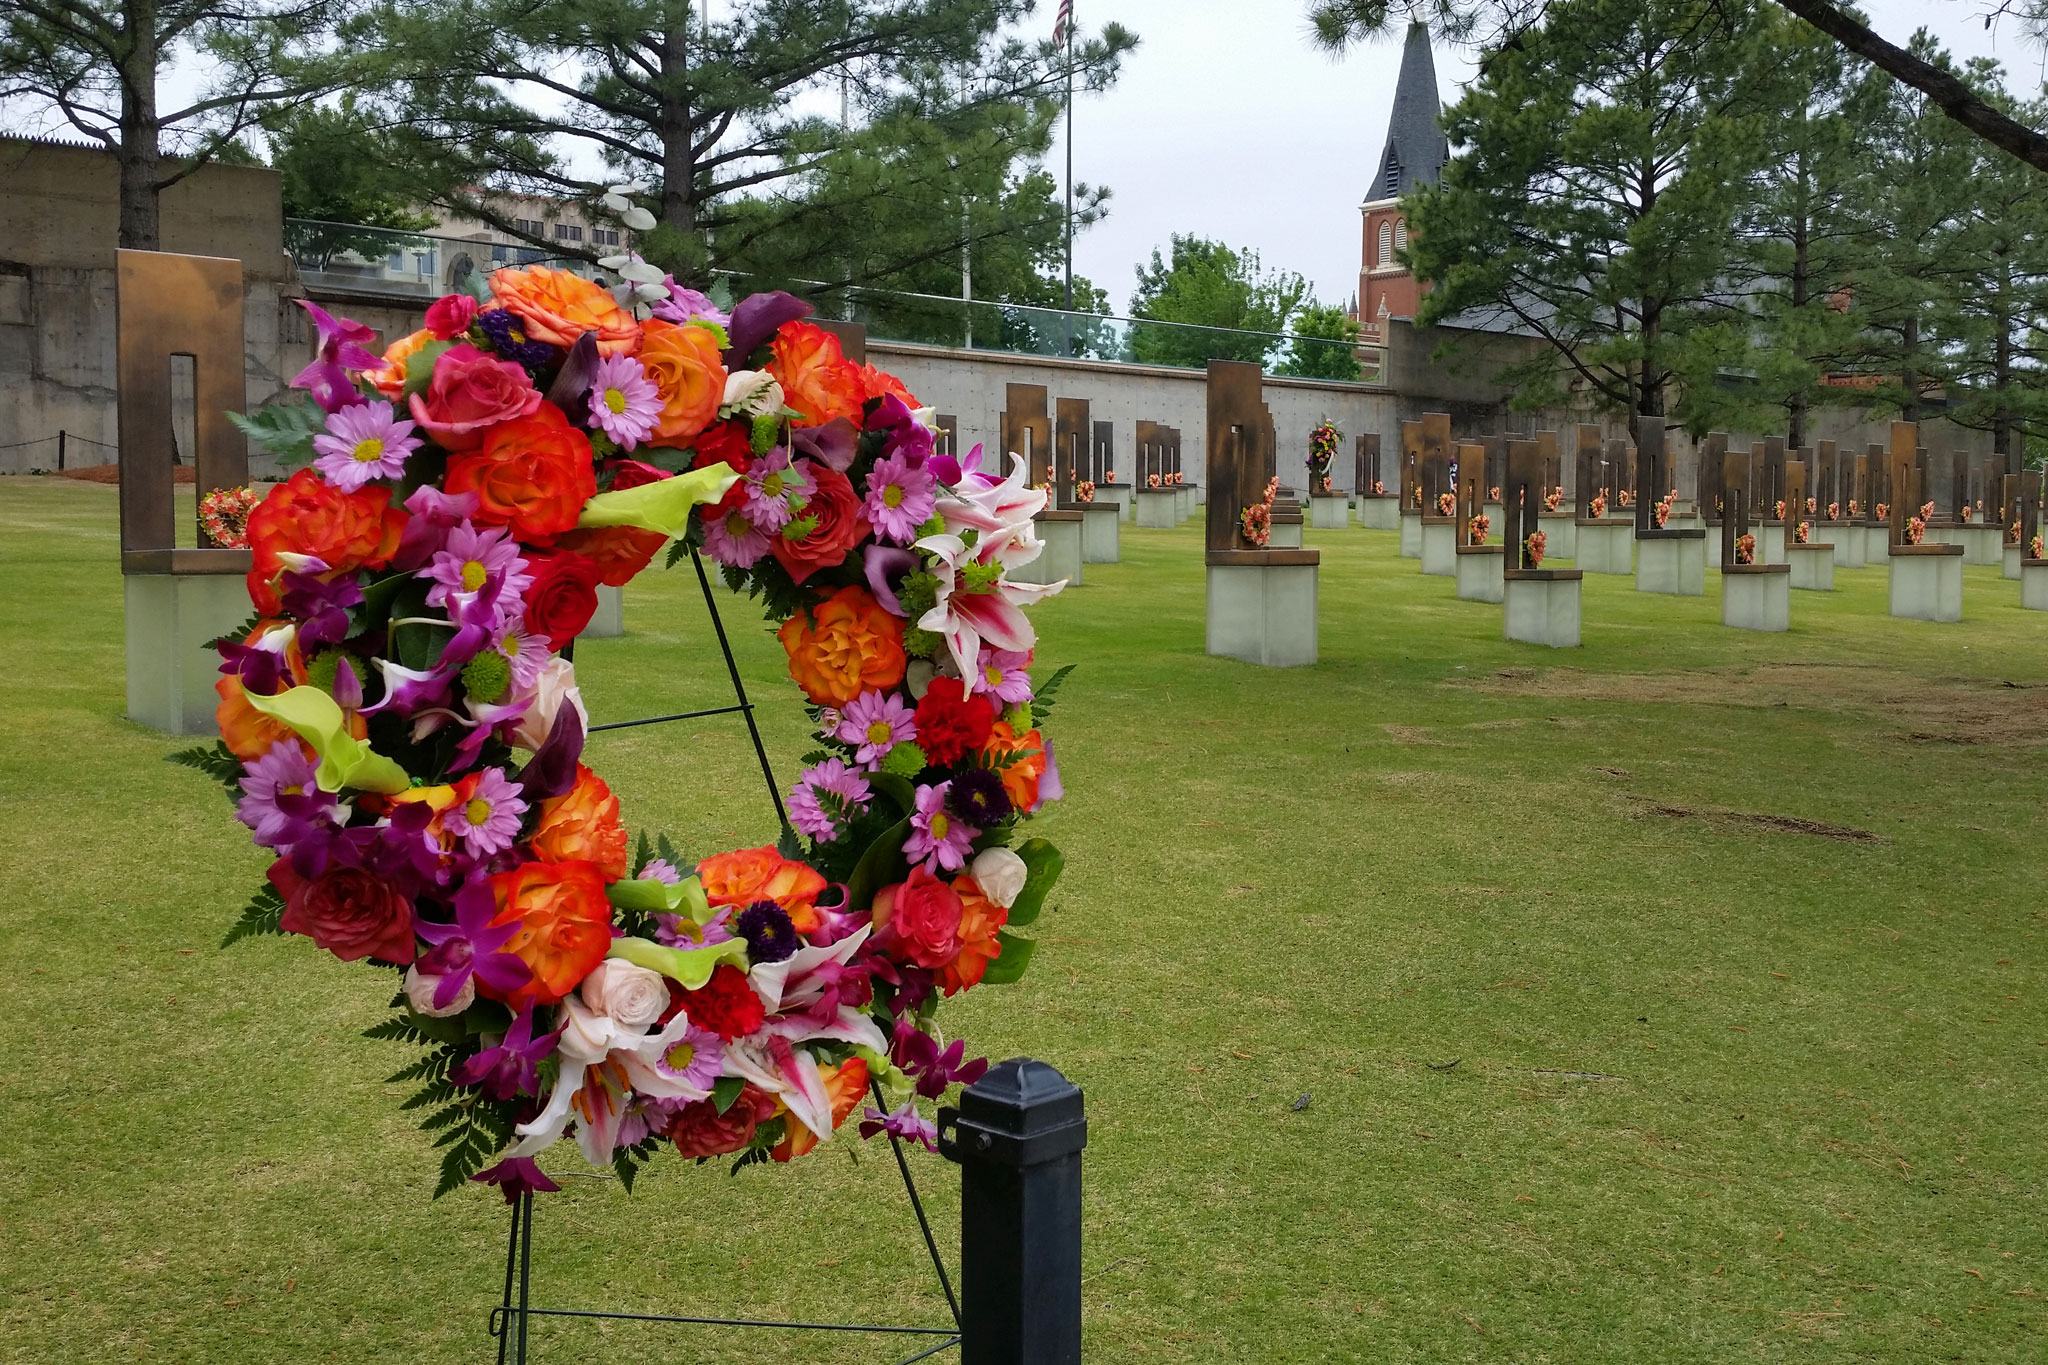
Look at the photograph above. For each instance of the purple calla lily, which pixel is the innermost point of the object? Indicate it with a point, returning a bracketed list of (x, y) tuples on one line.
[(755, 319)]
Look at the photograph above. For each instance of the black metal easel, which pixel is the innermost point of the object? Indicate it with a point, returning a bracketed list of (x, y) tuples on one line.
[(508, 1321)]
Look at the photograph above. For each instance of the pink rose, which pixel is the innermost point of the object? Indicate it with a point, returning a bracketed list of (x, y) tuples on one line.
[(450, 317), (919, 919), (350, 912), (469, 392)]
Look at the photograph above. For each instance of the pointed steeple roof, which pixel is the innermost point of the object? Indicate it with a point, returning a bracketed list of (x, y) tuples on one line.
[(1416, 148)]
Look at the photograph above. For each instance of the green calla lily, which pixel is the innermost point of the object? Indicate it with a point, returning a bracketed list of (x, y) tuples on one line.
[(662, 506), (651, 897), (345, 761), (688, 967)]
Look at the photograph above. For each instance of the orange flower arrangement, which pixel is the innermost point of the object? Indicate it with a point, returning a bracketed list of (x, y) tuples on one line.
[(685, 365), (532, 474), (307, 516), (817, 380), (844, 646), (980, 917), (747, 875), (557, 307), (565, 925), (582, 825), (389, 378)]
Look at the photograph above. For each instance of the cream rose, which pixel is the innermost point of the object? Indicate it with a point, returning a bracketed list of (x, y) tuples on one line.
[(750, 393), (419, 993), (629, 995), (1000, 874), (555, 689)]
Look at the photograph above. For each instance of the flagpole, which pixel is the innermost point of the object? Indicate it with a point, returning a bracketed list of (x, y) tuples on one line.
[(1070, 157)]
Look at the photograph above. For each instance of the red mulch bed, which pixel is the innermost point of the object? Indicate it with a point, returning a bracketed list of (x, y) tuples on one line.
[(111, 473)]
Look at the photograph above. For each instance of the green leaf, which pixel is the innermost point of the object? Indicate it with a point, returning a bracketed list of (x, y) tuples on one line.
[(900, 790), (285, 426), (1042, 697), (1010, 964), (217, 762), (260, 916), (725, 1091), (882, 865), (419, 366), (1043, 864)]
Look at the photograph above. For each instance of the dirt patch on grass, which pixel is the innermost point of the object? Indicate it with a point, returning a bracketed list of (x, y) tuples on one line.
[(111, 473), (1777, 824), (1411, 734), (1917, 709)]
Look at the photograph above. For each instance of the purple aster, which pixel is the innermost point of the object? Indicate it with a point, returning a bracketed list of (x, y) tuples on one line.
[(661, 870), (528, 654), (732, 538), (877, 722), (918, 1054), (901, 1122), (507, 335), (770, 935), (513, 1066), (624, 403), (689, 1056), (473, 946), (977, 797), (1002, 676), (472, 560), (341, 349), (362, 443), (279, 799), (825, 797), (772, 485), (938, 837), (488, 821), (901, 497)]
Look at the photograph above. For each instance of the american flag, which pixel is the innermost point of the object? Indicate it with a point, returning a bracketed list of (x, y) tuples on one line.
[(1063, 25)]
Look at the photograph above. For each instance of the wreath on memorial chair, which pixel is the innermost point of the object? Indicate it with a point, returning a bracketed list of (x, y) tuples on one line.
[(402, 727), (1916, 527), (224, 517), (1481, 524), (1660, 510), (2035, 547), (1745, 548), (1322, 451), (1447, 504), (1554, 499), (1533, 545), (1804, 534), (1598, 506), (2012, 534)]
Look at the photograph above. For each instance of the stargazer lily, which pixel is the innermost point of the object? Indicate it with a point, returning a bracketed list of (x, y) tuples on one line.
[(977, 601)]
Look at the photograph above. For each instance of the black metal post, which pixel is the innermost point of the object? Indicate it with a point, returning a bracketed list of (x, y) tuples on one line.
[(61, 436), (1017, 1138)]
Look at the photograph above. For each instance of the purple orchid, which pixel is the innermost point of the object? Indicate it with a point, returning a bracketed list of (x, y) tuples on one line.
[(918, 1054), (433, 515), (517, 1175), (901, 1122), (341, 350), (908, 437), (474, 947), (321, 605)]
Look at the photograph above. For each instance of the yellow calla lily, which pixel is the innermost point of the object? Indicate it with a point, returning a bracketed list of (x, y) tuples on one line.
[(345, 761), (663, 506)]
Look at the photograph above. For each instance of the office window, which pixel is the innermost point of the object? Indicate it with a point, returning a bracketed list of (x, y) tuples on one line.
[(498, 254), (423, 261), (604, 236), (568, 232), (532, 227), (395, 262)]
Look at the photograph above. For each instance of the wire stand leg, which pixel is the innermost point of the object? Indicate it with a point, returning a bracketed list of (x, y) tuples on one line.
[(739, 688), (917, 1207), (525, 1269), (501, 1321)]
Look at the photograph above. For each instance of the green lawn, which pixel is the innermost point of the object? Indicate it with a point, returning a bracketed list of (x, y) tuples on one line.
[(1733, 940)]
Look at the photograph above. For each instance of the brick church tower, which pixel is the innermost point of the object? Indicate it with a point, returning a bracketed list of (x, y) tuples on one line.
[(1415, 154)]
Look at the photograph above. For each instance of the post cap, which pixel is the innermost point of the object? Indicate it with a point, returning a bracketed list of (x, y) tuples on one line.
[(1022, 1113)]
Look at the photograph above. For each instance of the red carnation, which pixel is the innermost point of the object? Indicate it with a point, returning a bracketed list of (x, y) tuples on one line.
[(950, 723), (563, 597), (730, 442), (726, 1005)]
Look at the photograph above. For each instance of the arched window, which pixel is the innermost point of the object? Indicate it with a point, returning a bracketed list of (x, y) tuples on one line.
[(1401, 234), (1386, 241)]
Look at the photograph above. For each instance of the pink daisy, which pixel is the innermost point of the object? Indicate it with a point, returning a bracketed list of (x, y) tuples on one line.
[(488, 822), (825, 797), (624, 403), (472, 560), (363, 442), (877, 722), (772, 485), (733, 538), (1002, 676), (901, 497), (937, 836)]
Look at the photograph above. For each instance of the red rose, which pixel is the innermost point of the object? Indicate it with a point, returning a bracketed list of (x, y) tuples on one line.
[(449, 317), (835, 525), (632, 473), (620, 552), (698, 1129), (351, 913), (726, 1004), (952, 724), (724, 442), (919, 920), (470, 391), (563, 597)]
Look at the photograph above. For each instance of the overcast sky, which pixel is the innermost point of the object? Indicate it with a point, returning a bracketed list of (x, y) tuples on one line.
[(1227, 124)]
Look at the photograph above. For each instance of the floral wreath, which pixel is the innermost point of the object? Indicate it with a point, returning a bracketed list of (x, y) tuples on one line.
[(402, 729)]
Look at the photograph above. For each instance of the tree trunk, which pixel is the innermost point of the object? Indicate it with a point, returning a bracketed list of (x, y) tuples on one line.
[(1909, 379), (2001, 384), (678, 159), (138, 155), (1802, 269)]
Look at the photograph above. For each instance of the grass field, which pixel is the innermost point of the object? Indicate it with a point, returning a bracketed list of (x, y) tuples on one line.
[(1676, 999)]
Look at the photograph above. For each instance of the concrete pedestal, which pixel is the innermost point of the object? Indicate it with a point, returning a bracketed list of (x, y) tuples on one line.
[(1061, 558), (1560, 534), (1440, 548), (1982, 543), (1331, 512), (609, 620), (1263, 613), (1670, 561), (171, 672), (1286, 534), (1411, 535), (1541, 607), (1927, 582), (1158, 508), (2034, 584), (1118, 495), (2013, 556), (1770, 541), (1101, 533), (1757, 597), (1379, 512), (1812, 565), (1848, 543), (1480, 570), (1497, 515), (1605, 545)]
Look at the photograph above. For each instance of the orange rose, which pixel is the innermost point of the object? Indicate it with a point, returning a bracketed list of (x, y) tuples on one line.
[(582, 825), (557, 307), (1020, 779), (532, 474), (843, 646), (761, 874), (247, 732), (389, 377), (980, 917), (847, 1085), (565, 926), (817, 379), (620, 552), (876, 383), (684, 363), (306, 515)]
